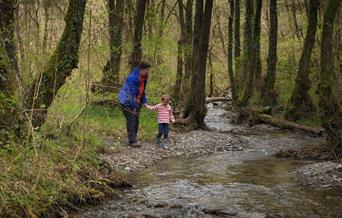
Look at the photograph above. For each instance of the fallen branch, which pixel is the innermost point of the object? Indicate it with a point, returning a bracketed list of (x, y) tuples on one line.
[(216, 99), (268, 119)]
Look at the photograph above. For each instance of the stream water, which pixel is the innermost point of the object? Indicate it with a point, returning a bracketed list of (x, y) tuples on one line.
[(246, 183)]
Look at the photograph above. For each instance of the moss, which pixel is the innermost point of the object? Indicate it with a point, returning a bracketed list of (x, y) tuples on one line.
[(60, 64)]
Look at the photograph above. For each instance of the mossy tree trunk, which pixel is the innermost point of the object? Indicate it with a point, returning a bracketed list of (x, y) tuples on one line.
[(330, 110), (7, 27), (195, 109), (256, 50), (136, 54), (247, 70), (231, 75), (300, 104), (269, 95), (59, 66), (111, 70), (11, 123)]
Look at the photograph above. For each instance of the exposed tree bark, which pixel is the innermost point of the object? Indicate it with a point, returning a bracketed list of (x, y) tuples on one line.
[(247, 77), (231, 75), (257, 30), (195, 109), (111, 70), (330, 110), (268, 92), (60, 65), (300, 104), (138, 30), (237, 12)]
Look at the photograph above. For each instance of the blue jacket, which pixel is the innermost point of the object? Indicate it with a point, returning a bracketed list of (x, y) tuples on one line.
[(130, 90)]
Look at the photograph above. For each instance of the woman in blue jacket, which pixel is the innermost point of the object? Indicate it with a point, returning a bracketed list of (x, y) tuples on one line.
[(132, 97)]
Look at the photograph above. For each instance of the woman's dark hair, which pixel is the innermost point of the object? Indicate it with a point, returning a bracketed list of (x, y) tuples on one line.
[(143, 65)]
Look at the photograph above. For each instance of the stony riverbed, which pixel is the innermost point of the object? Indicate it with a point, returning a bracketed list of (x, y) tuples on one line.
[(240, 177)]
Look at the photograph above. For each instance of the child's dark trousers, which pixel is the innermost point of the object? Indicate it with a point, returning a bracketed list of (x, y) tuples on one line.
[(163, 129)]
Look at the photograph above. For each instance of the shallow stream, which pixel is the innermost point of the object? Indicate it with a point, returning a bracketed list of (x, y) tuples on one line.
[(243, 183)]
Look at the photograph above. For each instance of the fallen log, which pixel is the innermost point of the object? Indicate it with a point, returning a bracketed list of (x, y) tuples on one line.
[(216, 99), (268, 119)]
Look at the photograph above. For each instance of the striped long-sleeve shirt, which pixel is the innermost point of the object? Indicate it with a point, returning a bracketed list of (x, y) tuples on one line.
[(165, 114)]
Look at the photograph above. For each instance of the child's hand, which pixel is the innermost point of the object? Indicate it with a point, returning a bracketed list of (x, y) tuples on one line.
[(173, 121)]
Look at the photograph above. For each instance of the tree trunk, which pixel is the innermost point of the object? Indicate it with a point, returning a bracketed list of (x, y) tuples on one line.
[(247, 77), (10, 117), (300, 104), (237, 48), (187, 48), (299, 32), (161, 25), (180, 52), (60, 65), (46, 7), (268, 92), (265, 118), (136, 55), (195, 109), (330, 110), (7, 27), (257, 29), (230, 53), (111, 70)]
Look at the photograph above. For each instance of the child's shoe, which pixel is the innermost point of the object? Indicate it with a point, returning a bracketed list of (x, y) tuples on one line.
[(159, 144), (166, 144)]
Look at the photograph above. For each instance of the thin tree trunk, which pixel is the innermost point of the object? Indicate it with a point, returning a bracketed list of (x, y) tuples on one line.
[(46, 7), (299, 32), (60, 65), (187, 51), (161, 25), (300, 104), (268, 92), (237, 43), (111, 70), (230, 53), (181, 42), (136, 55), (330, 110)]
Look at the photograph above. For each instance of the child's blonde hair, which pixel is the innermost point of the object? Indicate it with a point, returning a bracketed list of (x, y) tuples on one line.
[(165, 99)]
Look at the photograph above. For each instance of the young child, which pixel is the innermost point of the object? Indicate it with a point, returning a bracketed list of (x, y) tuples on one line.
[(165, 115)]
